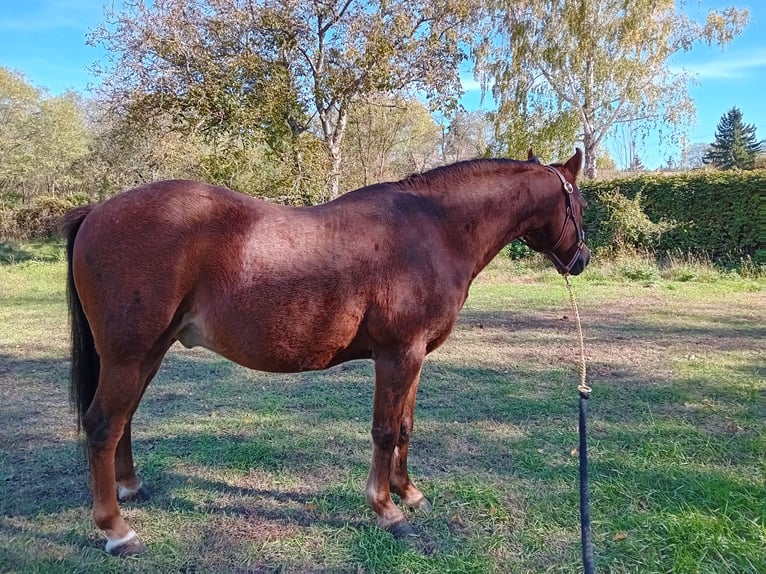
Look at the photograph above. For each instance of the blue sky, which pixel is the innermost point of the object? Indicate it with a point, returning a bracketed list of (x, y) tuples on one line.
[(45, 40)]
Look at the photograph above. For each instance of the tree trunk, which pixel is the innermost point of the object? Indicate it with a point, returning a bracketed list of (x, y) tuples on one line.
[(591, 151), (590, 142), (333, 132), (332, 180)]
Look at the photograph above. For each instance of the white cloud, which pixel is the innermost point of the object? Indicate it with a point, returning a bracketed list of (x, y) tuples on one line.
[(729, 68)]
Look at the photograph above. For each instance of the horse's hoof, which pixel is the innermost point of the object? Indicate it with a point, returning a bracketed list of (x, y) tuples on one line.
[(423, 505), (133, 548), (401, 530), (140, 495), (125, 548)]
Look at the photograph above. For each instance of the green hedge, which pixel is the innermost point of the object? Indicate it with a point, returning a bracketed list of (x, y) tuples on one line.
[(716, 213)]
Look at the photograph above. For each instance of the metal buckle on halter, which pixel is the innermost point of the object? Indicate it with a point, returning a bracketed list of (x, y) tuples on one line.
[(568, 191), (568, 187)]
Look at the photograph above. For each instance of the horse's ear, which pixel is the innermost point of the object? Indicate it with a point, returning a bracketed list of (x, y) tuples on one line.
[(531, 157), (574, 163)]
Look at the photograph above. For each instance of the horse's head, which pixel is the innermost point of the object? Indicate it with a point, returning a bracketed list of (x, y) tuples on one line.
[(561, 236)]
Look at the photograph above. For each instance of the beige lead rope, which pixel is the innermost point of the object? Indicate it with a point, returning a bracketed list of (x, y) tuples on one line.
[(582, 387), (588, 560)]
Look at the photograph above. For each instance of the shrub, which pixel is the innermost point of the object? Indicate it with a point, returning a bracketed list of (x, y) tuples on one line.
[(517, 250), (39, 219), (714, 213), (626, 225)]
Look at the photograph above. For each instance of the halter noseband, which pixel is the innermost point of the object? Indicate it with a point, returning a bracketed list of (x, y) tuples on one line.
[(568, 191)]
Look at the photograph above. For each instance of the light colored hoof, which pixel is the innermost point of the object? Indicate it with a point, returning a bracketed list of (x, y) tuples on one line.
[(140, 495), (423, 505), (129, 545)]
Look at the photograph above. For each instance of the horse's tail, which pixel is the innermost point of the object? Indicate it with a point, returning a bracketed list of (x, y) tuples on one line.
[(86, 364)]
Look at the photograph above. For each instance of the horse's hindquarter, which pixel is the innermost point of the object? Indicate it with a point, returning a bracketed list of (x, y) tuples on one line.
[(137, 260)]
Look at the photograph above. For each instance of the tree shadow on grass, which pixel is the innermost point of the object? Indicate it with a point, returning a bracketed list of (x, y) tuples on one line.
[(44, 251)]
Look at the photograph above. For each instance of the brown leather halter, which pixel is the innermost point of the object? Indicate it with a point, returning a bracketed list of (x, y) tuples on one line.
[(568, 191)]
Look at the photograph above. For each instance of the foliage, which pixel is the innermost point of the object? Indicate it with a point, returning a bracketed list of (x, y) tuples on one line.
[(517, 250), (390, 138), (387, 139), (636, 165), (550, 134), (468, 135), (39, 219), (735, 144), (269, 72), (41, 138), (199, 72), (714, 213), (602, 62), (626, 225), (345, 51)]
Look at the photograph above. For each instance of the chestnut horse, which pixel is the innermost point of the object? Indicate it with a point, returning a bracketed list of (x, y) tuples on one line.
[(379, 273)]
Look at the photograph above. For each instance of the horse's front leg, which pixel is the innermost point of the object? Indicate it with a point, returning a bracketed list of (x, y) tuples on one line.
[(399, 477), (396, 377)]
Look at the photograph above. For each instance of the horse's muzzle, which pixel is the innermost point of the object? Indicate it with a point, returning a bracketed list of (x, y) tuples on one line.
[(581, 262)]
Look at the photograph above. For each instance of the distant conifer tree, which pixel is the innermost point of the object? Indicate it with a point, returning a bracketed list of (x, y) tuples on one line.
[(735, 145)]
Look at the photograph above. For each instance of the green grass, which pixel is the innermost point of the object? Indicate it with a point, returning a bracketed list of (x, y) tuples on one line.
[(253, 472)]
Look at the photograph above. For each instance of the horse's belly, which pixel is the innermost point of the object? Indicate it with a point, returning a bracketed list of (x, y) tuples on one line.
[(276, 358), (280, 349)]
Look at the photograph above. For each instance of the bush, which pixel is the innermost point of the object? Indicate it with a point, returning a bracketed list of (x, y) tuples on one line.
[(714, 213), (39, 219), (626, 225), (517, 250)]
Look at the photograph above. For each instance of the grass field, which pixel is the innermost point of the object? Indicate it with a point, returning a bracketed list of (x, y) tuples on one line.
[(256, 473)]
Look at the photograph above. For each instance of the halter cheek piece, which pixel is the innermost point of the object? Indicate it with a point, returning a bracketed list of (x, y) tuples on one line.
[(568, 191)]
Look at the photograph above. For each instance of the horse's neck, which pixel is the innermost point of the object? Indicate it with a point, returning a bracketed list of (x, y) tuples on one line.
[(489, 212)]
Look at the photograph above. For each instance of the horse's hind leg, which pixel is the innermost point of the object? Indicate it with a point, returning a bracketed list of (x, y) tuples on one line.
[(118, 393), (129, 485), (399, 477), (396, 374)]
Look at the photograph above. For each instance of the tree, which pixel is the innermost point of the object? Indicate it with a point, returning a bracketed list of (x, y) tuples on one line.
[(735, 144), (386, 140), (41, 137), (517, 130), (692, 154), (18, 104), (467, 135), (203, 70), (272, 70), (635, 164), (604, 61)]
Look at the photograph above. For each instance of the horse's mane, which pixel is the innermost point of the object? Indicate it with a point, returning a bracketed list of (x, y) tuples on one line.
[(447, 174)]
